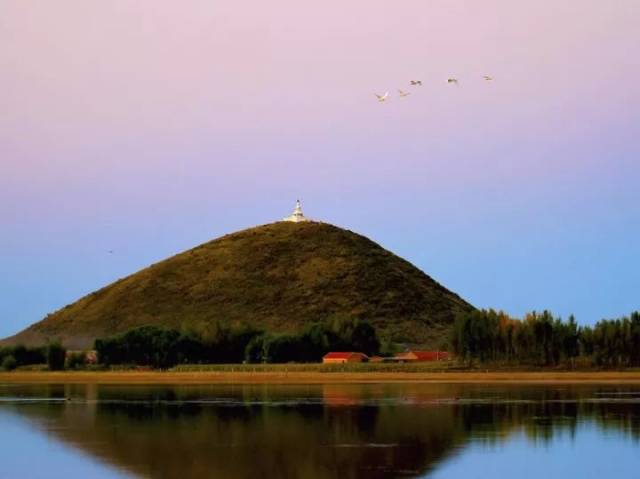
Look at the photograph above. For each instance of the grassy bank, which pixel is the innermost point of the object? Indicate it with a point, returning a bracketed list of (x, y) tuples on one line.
[(315, 373)]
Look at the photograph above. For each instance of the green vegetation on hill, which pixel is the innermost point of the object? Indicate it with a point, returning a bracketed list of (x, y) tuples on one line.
[(279, 278)]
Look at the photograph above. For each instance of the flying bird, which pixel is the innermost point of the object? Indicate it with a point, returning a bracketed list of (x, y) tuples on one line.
[(453, 81), (488, 78), (415, 82), (382, 98), (110, 251), (403, 93)]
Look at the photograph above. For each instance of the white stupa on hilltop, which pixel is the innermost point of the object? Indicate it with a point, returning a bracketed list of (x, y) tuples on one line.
[(296, 216)]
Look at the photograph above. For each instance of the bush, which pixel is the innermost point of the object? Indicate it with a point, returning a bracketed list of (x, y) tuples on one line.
[(23, 356), (9, 363), (389, 348), (254, 352), (76, 360), (56, 356)]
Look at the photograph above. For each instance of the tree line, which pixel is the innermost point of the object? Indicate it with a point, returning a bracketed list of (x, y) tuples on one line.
[(162, 348), (539, 339), (53, 354), (545, 340)]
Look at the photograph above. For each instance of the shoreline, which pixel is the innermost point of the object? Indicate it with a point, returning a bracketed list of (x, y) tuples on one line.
[(307, 377)]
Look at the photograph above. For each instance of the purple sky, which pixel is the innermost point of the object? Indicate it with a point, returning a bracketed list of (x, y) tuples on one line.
[(147, 127)]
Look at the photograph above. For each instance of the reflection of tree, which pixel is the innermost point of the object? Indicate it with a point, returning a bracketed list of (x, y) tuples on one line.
[(542, 412), (310, 431)]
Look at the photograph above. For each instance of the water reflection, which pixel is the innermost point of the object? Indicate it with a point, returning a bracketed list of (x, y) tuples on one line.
[(318, 431)]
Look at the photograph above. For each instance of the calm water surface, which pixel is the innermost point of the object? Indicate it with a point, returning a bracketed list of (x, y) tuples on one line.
[(319, 431)]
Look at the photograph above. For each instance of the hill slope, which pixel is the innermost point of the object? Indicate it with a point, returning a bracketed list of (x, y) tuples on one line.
[(279, 277)]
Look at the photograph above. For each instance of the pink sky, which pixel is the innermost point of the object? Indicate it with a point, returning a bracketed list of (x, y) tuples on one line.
[(149, 126)]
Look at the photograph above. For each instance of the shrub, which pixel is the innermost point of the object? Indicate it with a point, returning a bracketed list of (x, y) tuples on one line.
[(76, 360), (255, 350), (389, 348), (9, 363), (22, 355)]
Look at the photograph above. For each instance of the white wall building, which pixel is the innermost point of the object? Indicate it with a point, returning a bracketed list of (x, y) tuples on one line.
[(296, 216)]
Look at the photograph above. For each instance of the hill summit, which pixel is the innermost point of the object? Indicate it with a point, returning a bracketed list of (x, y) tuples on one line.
[(278, 277)]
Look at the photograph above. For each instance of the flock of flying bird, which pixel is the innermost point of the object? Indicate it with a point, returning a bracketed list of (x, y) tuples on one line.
[(402, 93)]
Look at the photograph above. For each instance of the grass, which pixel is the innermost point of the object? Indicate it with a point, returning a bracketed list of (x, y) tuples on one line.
[(318, 373), (316, 368)]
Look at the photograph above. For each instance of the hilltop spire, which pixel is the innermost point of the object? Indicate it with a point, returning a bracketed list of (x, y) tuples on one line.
[(296, 216)]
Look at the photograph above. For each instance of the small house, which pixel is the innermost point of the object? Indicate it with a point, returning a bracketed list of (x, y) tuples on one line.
[(344, 357), (422, 356)]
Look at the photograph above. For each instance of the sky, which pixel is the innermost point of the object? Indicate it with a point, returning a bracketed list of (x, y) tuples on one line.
[(147, 127)]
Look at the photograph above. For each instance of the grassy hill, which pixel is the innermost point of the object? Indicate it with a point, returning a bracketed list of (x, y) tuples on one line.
[(279, 277)]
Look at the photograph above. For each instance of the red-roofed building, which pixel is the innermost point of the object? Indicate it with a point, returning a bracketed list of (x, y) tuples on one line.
[(422, 356), (344, 357)]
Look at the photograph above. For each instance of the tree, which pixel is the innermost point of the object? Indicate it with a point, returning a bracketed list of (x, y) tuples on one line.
[(75, 360), (254, 351), (281, 349), (9, 363), (352, 334), (56, 356)]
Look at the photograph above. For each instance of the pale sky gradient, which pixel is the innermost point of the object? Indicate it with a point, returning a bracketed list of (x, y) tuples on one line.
[(149, 126)]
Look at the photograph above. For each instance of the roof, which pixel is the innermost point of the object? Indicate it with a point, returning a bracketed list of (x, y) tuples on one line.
[(425, 355), (342, 355)]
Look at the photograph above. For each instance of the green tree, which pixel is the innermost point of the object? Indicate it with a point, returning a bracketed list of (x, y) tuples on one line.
[(75, 360), (352, 334), (9, 363), (255, 349), (56, 356)]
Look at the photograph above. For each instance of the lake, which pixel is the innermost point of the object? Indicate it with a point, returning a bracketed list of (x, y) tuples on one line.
[(320, 431)]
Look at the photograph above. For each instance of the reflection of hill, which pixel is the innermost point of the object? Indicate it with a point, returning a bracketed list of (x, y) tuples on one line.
[(299, 436), (310, 431)]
